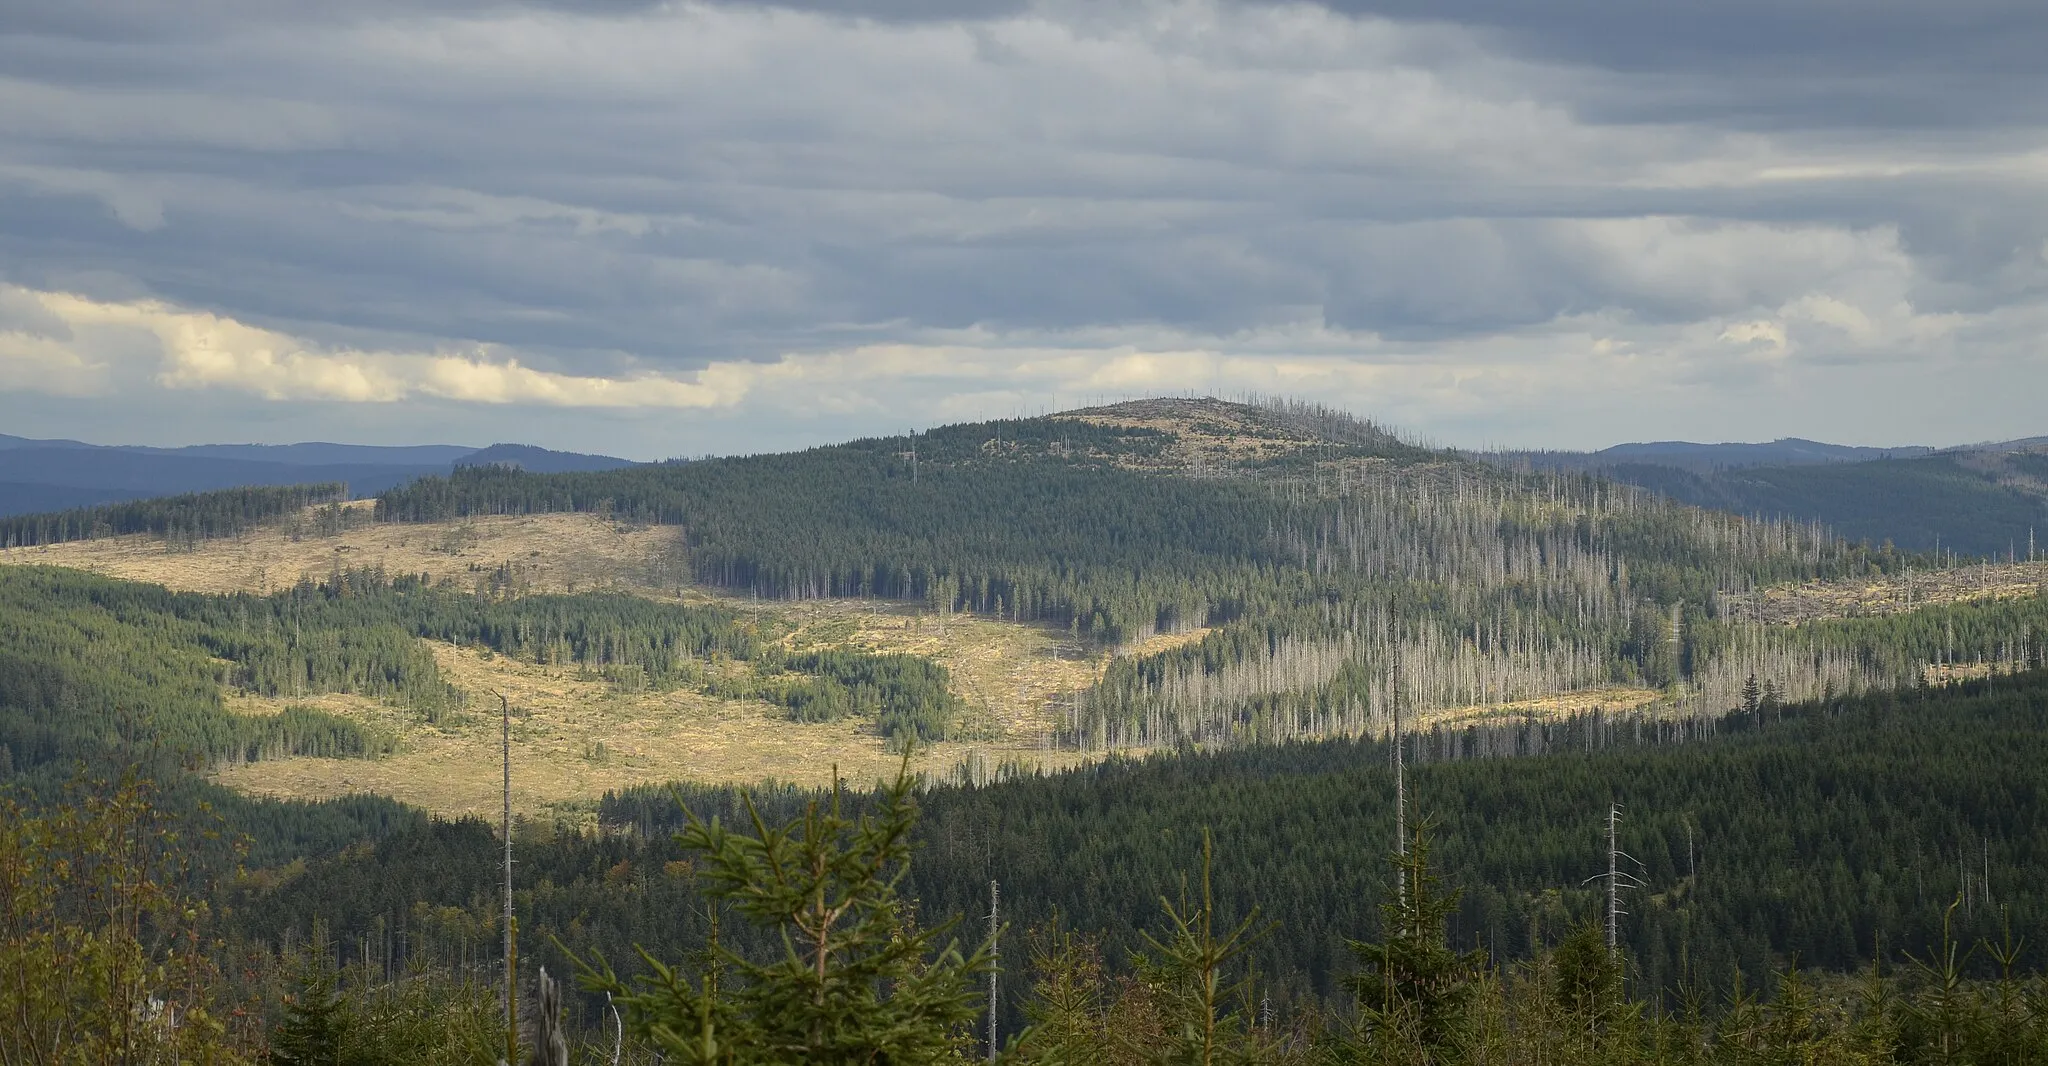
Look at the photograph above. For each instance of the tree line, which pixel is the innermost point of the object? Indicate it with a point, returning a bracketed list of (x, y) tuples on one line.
[(820, 927), (180, 519)]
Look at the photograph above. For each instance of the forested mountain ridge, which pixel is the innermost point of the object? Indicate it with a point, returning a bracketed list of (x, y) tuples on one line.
[(1320, 568), (51, 475), (1331, 565), (1982, 500)]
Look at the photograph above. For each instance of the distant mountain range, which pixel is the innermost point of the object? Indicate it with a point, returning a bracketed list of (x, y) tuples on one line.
[(1686, 455), (51, 475), (1979, 499)]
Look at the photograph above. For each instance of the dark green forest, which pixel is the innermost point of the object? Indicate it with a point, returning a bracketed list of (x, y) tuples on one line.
[(1971, 505), (1825, 832), (177, 519), (1880, 828)]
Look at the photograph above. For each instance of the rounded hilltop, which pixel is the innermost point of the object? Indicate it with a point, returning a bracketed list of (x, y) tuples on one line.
[(1275, 418)]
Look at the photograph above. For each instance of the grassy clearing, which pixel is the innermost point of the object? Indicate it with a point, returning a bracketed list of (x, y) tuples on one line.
[(575, 737), (545, 553), (1813, 601), (1015, 678), (1561, 705)]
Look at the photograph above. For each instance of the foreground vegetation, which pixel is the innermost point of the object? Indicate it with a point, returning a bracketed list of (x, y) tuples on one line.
[(821, 943)]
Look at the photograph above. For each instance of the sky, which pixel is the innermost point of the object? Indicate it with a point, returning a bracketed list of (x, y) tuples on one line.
[(655, 230)]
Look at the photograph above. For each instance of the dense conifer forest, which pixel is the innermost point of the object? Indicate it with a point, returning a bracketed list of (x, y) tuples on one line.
[(1247, 893), (177, 519)]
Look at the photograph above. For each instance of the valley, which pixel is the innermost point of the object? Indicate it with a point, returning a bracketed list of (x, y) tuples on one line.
[(1122, 644), (577, 735)]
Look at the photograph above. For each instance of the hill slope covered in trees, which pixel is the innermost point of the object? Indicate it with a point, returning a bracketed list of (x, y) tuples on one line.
[(1332, 567)]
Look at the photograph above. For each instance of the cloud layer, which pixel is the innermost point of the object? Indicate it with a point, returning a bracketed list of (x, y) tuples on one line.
[(794, 221)]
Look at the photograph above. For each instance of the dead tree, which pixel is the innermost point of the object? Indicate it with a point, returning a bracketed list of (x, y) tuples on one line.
[(1616, 878)]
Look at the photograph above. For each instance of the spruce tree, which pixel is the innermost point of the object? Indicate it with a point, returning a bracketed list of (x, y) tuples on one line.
[(1194, 973), (856, 980), (314, 1031), (1412, 989)]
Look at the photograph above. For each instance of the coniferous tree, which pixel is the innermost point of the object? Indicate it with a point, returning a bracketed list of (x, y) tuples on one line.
[(856, 980), (1412, 989), (1196, 976), (315, 1027)]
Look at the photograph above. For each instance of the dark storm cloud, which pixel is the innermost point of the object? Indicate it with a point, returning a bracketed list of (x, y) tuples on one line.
[(1730, 190)]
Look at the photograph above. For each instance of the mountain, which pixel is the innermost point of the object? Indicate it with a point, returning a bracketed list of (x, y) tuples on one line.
[(1687, 455), (539, 460), (28, 498), (1988, 500), (323, 454), (1291, 555), (8, 441), (47, 475)]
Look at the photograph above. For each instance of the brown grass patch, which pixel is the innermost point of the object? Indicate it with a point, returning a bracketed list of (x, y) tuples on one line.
[(547, 552), (1561, 705), (1812, 601), (558, 767), (1015, 678)]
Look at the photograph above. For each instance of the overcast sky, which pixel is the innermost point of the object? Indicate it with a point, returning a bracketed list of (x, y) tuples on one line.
[(689, 228)]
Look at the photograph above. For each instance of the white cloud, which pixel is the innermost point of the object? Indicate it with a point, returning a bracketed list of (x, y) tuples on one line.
[(203, 350)]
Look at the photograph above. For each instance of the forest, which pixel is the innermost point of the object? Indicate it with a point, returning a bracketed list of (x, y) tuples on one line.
[(185, 518), (1332, 573), (1258, 867), (1246, 905)]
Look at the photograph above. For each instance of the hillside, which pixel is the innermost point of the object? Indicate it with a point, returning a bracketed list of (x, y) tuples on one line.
[(50, 475), (1988, 501), (1110, 638), (1129, 577), (1327, 563)]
